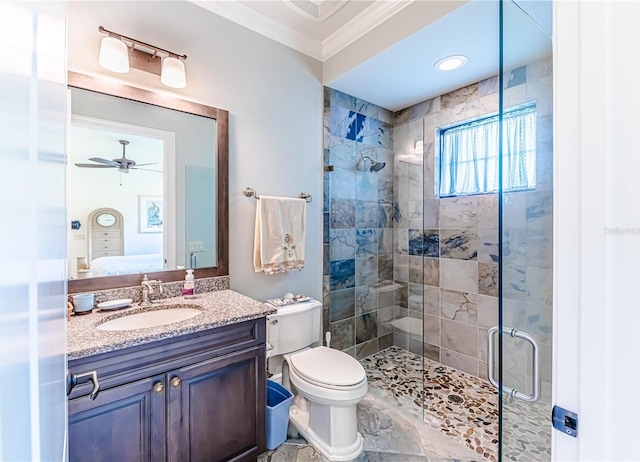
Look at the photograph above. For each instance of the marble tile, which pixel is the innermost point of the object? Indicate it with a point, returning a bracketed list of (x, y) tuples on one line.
[(337, 98), (326, 182), (488, 211), (367, 348), (366, 300), (326, 259), (343, 155), (459, 306), (343, 184), (385, 341), (325, 227), (416, 270), (342, 305), (366, 271), (366, 327), (539, 69), (460, 275), (487, 311), (539, 210), (515, 77), (401, 268), (400, 215), (415, 178), (343, 213), (342, 274), (416, 297), (483, 345), (488, 86), (514, 211), (385, 267), (342, 244), (539, 285), (431, 329), (401, 295), (414, 214), (431, 271), (385, 241), (366, 215), (540, 322), (459, 212), (459, 244), (514, 282), (326, 127), (514, 244), (385, 189), (459, 361), (366, 242), (340, 119), (431, 213), (459, 96), (416, 242), (401, 241), (343, 334), (488, 279), (514, 314), (366, 108), (459, 337), (432, 300), (488, 250), (385, 216), (366, 186)]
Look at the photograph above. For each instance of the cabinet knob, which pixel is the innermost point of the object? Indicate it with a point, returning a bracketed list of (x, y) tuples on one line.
[(158, 387), (175, 382)]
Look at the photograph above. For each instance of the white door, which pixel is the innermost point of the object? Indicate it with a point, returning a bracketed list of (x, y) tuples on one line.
[(32, 231)]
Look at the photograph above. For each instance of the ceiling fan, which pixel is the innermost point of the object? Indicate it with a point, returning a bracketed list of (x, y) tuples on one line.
[(123, 164)]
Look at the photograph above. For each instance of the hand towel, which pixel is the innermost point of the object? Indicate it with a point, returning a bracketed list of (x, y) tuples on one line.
[(280, 234)]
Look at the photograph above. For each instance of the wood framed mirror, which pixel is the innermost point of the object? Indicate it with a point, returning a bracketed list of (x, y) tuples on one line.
[(219, 265)]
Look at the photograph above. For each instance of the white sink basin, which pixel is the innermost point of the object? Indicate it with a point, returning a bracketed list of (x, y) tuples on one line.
[(147, 319)]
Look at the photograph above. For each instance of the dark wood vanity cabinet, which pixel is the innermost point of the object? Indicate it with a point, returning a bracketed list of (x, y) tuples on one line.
[(198, 397)]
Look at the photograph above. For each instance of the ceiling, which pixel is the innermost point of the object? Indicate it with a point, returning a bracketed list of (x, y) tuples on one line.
[(403, 74)]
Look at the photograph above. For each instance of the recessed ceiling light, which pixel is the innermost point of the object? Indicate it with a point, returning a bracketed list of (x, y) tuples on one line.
[(450, 63)]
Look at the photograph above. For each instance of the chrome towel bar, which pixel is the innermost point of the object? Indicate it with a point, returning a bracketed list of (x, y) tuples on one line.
[(250, 192)]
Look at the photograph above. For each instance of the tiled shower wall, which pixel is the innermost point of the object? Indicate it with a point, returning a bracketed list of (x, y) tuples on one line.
[(358, 226), (406, 268), (458, 240)]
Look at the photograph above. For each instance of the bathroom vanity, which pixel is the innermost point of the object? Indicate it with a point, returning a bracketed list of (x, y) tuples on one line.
[(190, 390)]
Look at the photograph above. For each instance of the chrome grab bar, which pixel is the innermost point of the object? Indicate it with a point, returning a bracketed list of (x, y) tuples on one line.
[(535, 396)]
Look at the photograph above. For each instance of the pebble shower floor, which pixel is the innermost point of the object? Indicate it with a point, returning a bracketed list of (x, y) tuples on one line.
[(460, 405)]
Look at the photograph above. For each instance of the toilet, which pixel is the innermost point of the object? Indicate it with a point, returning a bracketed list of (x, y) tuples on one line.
[(327, 384)]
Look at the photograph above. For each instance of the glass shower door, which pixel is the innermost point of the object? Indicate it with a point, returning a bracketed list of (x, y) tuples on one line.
[(520, 344)]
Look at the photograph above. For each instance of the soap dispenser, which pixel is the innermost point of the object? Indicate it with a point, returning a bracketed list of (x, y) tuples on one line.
[(189, 288)]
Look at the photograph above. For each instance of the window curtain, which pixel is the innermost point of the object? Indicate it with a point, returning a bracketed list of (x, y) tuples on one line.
[(469, 154)]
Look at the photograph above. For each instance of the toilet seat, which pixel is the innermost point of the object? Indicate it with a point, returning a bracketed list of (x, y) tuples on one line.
[(328, 368)]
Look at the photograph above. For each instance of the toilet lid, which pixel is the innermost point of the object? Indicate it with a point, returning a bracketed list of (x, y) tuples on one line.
[(328, 366)]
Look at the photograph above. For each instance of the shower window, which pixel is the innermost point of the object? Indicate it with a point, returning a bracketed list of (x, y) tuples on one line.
[(469, 154)]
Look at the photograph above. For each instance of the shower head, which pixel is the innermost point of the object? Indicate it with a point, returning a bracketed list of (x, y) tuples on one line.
[(375, 165)]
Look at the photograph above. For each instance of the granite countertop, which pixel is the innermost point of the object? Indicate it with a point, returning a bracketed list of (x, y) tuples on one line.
[(219, 308)]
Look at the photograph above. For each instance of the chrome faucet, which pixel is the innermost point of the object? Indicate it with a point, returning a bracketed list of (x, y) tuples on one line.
[(147, 289)]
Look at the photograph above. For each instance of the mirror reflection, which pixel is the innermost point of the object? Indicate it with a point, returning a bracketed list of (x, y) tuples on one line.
[(141, 184)]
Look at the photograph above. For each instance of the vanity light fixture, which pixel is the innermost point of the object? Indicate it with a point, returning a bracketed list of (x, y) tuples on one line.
[(119, 52), (450, 63)]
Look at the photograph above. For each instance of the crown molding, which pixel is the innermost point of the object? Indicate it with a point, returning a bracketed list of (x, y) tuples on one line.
[(360, 25), (252, 20)]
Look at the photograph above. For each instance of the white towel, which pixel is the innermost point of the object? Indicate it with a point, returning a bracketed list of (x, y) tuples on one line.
[(280, 234)]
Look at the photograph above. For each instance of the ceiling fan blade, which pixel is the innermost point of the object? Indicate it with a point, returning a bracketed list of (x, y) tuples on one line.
[(151, 163), (145, 169), (94, 166), (108, 162)]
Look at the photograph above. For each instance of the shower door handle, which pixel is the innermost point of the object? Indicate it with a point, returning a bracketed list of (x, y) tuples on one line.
[(535, 396)]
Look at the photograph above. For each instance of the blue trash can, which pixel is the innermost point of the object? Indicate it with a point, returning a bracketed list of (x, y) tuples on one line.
[(278, 404)]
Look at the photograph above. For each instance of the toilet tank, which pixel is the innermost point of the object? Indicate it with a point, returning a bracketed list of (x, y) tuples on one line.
[(294, 327)]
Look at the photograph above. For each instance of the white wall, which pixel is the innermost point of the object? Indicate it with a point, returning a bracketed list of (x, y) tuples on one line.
[(597, 232), (274, 98)]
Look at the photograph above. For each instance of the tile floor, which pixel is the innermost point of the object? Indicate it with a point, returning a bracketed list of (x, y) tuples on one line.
[(460, 417)]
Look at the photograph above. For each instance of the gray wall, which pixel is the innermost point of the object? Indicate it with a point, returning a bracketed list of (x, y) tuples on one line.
[(274, 98)]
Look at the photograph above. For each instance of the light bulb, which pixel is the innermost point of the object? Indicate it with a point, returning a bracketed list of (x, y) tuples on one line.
[(173, 73), (114, 55)]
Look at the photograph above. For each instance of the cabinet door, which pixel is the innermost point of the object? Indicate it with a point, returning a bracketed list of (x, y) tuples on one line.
[(124, 423), (216, 409)]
